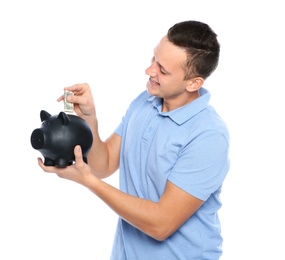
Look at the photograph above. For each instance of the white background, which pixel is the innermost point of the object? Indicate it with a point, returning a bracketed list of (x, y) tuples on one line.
[(47, 45)]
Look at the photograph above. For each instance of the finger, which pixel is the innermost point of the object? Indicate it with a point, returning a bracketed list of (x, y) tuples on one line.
[(78, 89), (40, 162), (78, 155), (60, 98), (46, 168), (76, 100)]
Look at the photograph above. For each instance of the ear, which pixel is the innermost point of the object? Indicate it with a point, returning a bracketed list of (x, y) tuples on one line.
[(194, 84)]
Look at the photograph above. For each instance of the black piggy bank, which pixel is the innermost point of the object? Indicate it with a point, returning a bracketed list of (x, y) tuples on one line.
[(57, 137)]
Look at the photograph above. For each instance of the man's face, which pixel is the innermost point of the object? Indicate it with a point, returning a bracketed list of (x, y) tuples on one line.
[(166, 71)]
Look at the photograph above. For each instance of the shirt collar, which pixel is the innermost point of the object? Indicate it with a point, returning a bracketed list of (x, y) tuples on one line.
[(184, 113)]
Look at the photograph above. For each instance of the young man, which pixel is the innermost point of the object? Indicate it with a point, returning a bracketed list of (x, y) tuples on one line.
[(171, 149)]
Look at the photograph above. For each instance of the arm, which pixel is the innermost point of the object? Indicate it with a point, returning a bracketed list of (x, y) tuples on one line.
[(157, 219)]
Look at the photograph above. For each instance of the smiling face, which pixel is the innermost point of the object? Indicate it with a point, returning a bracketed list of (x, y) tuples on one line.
[(166, 76)]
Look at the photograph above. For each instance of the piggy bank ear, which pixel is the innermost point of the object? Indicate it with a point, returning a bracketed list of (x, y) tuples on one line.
[(64, 118), (44, 115)]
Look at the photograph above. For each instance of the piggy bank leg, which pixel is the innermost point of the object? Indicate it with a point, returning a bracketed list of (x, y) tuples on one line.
[(49, 162), (61, 162), (70, 163)]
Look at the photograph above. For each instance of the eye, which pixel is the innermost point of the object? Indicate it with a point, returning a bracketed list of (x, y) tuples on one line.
[(163, 71)]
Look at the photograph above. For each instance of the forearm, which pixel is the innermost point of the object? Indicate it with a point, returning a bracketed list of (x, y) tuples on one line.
[(156, 219), (100, 158), (145, 215)]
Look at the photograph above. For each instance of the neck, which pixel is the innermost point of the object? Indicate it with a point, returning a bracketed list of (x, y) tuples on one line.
[(170, 104)]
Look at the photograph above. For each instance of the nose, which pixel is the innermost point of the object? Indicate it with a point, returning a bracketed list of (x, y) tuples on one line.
[(150, 71)]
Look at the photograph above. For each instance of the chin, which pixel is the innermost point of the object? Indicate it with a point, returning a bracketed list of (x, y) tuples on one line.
[(151, 90)]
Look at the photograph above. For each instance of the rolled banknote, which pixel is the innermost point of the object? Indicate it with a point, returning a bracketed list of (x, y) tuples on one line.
[(68, 107)]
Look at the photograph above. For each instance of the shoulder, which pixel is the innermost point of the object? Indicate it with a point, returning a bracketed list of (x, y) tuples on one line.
[(141, 99), (144, 95), (216, 123)]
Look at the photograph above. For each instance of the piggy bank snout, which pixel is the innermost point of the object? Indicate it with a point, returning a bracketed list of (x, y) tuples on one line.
[(37, 139)]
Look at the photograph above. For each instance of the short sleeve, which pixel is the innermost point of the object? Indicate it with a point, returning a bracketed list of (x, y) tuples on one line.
[(202, 165)]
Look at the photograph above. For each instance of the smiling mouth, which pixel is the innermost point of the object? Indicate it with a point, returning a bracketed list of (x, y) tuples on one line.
[(153, 82)]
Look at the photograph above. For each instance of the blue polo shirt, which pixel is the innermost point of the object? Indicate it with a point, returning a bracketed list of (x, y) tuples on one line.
[(188, 146)]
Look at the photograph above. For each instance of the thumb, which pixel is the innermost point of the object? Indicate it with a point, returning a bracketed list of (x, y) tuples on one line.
[(78, 154)]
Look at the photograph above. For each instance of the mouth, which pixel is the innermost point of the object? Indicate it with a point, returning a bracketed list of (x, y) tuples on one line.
[(152, 82)]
